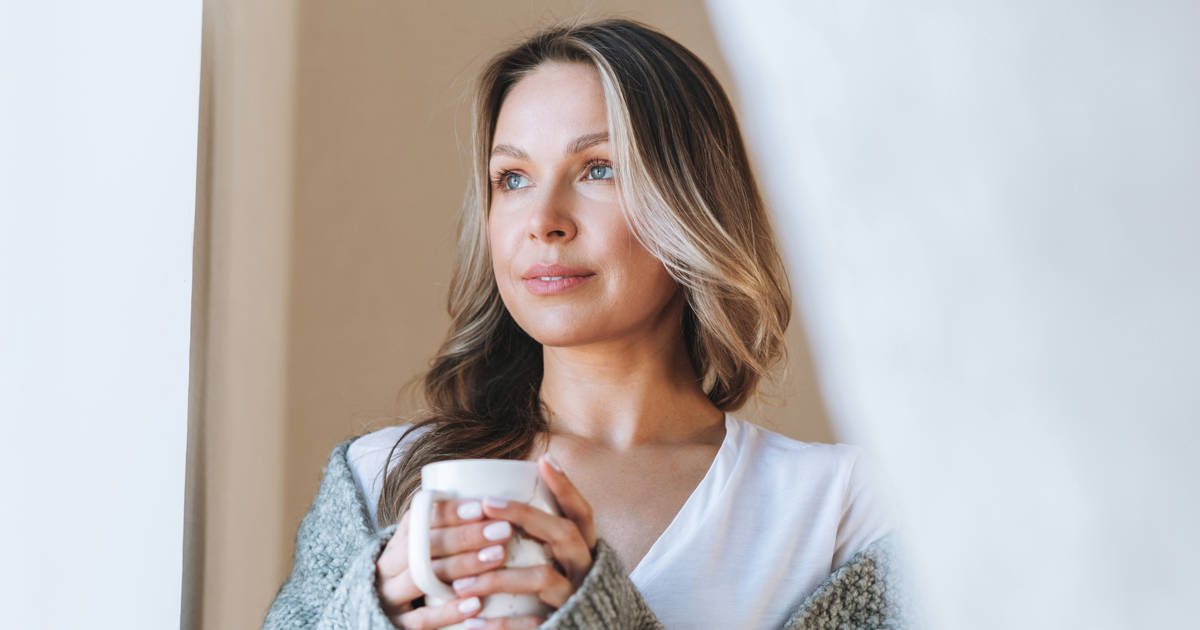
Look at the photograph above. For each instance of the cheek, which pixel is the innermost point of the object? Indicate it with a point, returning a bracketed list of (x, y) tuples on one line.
[(642, 275), (605, 194), (500, 255), (499, 244)]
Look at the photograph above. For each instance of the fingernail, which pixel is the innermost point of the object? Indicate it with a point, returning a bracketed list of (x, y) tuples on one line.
[(495, 502), (497, 531), (470, 511), (460, 584), (468, 605), (553, 464), (491, 554), (474, 622)]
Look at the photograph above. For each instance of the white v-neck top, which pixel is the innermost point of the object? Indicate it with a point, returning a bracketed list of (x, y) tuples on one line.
[(769, 521)]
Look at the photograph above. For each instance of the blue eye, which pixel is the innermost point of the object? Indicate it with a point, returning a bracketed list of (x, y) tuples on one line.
[(601, 171), (510, 181), (505, 181)]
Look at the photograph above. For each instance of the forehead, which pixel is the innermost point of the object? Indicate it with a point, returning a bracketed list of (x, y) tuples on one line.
[(555, 102)]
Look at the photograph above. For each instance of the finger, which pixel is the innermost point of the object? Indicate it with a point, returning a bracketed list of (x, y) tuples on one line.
[(429, 617), (568, 497), (447, 541), (394, 558), (455, 512), (397, 593), (395, 584), (543, 580), (392, 579), (560, 534), (469, 563), (506, 623)]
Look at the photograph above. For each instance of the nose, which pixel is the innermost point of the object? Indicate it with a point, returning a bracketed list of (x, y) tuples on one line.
[(551, 218)]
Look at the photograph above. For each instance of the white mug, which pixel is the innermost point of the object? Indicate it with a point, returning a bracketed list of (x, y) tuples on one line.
[(509, 479)]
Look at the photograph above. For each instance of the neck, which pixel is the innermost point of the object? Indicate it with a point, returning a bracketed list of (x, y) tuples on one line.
[(627, 393)]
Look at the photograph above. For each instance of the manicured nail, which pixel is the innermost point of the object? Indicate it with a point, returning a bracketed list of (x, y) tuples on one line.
[(474, 622), (553, 464), (470, 511), (461, 583), (497, 531), (491, 554), (495, 502), (469, 605)]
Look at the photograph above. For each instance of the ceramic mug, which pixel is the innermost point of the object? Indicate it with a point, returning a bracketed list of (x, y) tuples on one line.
[(509, 479)]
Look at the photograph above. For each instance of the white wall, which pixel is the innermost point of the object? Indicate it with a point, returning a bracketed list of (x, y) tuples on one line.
[(98, 118), (992, 212)]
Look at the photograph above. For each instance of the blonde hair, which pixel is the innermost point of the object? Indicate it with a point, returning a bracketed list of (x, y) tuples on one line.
[(688, 195)]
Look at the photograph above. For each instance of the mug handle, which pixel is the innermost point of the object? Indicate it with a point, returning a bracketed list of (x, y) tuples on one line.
[(420, 566)]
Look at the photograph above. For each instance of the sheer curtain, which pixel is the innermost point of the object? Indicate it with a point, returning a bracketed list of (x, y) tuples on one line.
[(992, 213), (98, 117)]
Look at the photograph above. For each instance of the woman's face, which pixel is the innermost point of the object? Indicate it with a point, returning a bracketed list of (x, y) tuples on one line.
[(554, 203)]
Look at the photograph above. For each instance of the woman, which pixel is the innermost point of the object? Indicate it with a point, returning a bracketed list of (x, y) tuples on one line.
[(618, 294)]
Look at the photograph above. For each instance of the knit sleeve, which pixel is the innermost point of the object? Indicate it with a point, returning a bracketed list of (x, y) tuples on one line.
[(606, 598), (868, 592), (332, 583)]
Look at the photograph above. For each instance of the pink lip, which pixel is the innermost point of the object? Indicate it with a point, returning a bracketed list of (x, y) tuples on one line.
[(554, 287), (571, 277), (554, 270)]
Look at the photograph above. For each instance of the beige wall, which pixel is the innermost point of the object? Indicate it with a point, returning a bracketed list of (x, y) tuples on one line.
[(333, 162)]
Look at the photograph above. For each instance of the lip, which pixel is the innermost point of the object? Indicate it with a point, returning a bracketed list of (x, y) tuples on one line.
[(554, 287), (571, 277), (555, 270)]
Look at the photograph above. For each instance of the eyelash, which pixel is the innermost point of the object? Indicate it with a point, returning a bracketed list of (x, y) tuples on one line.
[(498, 178)]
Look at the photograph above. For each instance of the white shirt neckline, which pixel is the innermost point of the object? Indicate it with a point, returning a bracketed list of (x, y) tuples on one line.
[(734, 551), (697, 506)]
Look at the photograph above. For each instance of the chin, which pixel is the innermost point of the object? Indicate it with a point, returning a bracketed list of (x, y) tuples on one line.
[(559, 332), (561, 337)]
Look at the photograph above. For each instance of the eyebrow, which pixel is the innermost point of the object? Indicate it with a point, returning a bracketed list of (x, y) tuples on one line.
[(575, 146)]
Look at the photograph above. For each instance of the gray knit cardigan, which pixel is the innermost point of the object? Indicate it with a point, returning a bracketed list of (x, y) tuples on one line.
[(332, 584)]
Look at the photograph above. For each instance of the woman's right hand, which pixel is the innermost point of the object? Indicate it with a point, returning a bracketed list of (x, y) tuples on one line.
[(461, 544)]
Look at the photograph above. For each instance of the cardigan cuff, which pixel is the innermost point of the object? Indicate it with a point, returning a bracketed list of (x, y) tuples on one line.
[(355, 602), (606, 598)]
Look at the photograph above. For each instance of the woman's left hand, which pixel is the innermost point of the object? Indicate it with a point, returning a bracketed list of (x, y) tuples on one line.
[(571, 538)]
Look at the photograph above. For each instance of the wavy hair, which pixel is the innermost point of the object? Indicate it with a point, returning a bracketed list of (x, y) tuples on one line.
[(679, 160)]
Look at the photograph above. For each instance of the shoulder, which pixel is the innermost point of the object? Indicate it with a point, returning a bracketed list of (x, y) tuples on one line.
[(376, 440), (771, 448), (836, 484), (371, 455), (367, 453)]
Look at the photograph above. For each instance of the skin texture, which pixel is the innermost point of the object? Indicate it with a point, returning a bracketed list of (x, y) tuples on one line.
[(552, 208), (616, 367)]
